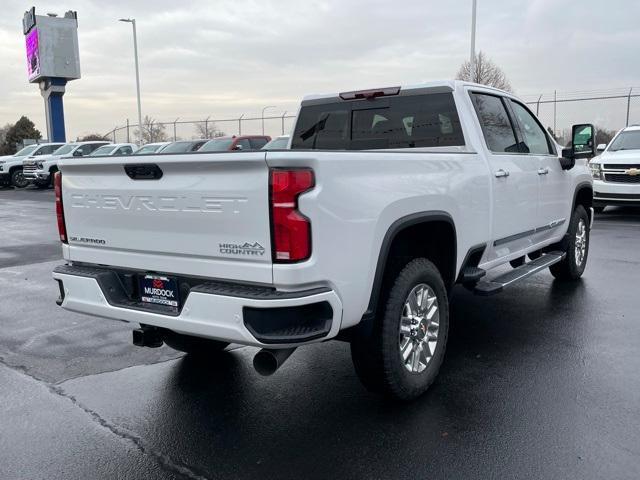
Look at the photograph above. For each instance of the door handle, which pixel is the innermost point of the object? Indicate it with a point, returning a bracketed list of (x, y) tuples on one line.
[(502, 173), (543, 171)]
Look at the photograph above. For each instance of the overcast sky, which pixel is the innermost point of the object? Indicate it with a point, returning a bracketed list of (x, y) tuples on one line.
[(227, 58)]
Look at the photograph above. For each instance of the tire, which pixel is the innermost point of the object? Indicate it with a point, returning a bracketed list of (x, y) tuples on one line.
[(196, 346), (517, 262), (598, 209), (17, 179), (377, 349), (575, 261)]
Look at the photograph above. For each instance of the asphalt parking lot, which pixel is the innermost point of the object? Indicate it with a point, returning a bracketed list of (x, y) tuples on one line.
[(542, 381)]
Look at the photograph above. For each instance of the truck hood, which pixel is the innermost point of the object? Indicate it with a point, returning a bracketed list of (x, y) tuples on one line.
[(620, 157), (40, 158)]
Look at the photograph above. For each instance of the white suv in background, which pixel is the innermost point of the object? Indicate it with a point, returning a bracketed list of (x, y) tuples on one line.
[(616, 172)]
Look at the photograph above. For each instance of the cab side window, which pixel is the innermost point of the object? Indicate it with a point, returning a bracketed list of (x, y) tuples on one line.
[(86, 149), (49, 149), (124, 151), (534, 137), (245, 143), (257, 143), (495, 122), (83, 150)]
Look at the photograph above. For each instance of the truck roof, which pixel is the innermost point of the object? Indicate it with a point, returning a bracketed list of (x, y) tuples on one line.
[(444, 85)]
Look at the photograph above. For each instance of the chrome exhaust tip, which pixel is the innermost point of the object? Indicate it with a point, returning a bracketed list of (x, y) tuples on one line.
[(268, 361)]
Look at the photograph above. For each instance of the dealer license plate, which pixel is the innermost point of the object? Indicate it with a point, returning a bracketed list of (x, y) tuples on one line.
[(159, 290)]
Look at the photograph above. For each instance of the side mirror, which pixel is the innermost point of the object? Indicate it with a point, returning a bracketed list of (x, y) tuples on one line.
[(77, 153), (601, 147), (238, 147), (582, 145)]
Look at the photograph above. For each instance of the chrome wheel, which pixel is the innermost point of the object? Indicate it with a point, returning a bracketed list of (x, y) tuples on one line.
[(580, 248), (19, 180), (418, 336)]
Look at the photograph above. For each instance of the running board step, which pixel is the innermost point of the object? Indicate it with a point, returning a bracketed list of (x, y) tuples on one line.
[(496, 285)]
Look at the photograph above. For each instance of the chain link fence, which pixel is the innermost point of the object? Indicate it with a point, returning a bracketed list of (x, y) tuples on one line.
[(178, 129), (609, 110)]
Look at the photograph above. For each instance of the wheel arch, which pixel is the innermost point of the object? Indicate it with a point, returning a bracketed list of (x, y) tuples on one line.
[(396, 238), (583, 195)]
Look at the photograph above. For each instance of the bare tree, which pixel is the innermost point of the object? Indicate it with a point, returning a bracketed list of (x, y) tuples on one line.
[(152, 131), (604, 135), (91, 137), (208, 130), (484, 72), (3, 132)]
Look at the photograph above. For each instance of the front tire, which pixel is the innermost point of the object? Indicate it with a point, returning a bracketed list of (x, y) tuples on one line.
[(402, 354), (17, 178), (195, 346), (575, 261)]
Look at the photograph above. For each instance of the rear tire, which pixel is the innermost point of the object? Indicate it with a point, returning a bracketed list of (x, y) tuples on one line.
[(577, 252), (17, 179), (400, 354), (196, 346)]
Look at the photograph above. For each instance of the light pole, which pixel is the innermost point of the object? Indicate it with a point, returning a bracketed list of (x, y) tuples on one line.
[(473, 40), (132, 21), (262, 117)]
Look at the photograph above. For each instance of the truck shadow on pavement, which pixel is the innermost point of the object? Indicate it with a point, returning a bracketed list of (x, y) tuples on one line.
[(314, 409)]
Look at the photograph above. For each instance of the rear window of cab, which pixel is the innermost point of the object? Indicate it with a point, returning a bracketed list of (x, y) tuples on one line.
[(411, 121)]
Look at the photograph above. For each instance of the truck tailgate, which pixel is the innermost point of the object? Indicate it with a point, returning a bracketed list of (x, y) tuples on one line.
[(208, 214)]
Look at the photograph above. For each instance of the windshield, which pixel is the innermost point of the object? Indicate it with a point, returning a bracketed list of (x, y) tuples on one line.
[(63, 150), (629, 140), (25, 151), (148, 149), (106, 150), (217, 145), (178, 147), (277, 144)]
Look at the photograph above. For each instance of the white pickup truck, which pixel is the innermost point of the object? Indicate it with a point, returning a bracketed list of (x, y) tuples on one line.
[(40, 170), (384, 200), (11, 165)]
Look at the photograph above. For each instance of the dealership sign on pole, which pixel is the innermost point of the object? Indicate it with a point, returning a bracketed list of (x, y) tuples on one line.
[(52, 59)]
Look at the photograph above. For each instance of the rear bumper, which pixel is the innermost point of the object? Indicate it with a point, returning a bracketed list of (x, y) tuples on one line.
[(247, 315)]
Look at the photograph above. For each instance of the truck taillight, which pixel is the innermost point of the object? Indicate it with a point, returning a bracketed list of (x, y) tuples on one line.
[(57, 186), (290, 230)]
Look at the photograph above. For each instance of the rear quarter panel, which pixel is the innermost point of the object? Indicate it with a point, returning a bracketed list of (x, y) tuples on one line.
[(359, 195)]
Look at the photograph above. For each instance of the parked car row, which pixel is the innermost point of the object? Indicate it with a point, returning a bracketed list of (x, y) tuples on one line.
[(36, 164)]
